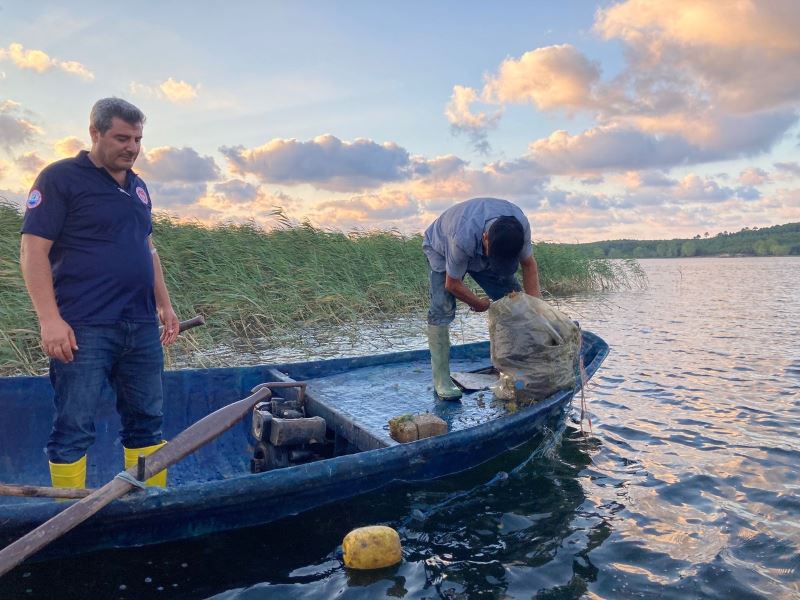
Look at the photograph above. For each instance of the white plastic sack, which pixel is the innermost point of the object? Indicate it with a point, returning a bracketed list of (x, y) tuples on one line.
[(535, 347)]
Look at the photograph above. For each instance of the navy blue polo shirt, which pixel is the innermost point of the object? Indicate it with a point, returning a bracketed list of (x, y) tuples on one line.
[(101, 261)]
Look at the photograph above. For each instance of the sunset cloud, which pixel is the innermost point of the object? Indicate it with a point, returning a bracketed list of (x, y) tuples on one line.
[(30, 163), (745, 55), (753, 176), (14, 129), (237, 190), (392, 206), (551, 77), (178, 90), (791, 168), (463, 120), (325, 162), (169, 164), (68, 146), (622, 147), (172, 90), (40, 62), (702, 81), (240, 201), (175, 193)]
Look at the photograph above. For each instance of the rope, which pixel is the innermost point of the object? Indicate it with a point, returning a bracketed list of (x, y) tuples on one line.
[(128, 478), (580, 376)]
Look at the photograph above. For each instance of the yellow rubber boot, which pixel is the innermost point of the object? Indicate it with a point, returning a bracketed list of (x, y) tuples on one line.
[(132, 458), (69, 475)]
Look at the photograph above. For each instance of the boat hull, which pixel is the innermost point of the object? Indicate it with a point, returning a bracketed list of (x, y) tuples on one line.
[(215, 491)]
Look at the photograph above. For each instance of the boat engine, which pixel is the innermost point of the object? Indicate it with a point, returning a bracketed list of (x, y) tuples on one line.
[(284, 435)]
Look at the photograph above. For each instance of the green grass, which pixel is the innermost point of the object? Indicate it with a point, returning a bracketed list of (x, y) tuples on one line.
[(260, 285)]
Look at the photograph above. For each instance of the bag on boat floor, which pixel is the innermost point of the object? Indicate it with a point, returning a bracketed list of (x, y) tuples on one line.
[(535, 347)]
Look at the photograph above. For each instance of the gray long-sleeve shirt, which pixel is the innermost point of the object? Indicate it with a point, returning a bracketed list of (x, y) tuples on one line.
[(453, 243)]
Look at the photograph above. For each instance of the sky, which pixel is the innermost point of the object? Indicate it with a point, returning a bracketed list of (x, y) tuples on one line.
[(635, 119)]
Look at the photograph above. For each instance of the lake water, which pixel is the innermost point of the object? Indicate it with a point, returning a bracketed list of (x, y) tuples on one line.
[(687, 486)]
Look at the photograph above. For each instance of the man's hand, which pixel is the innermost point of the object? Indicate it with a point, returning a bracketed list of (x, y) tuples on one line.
[(482, 305), (171, 325), (58, 339)]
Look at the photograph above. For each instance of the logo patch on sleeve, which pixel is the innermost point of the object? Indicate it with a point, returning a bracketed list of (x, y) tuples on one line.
[(142, 195), (34, 199)]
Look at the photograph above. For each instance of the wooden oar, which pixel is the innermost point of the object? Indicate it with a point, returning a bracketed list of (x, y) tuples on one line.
[(41, 491), (186, 442)]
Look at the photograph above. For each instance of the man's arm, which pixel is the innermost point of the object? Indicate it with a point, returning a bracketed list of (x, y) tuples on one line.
[(460, 290), (166, 314), (58, 339), (530, 277)]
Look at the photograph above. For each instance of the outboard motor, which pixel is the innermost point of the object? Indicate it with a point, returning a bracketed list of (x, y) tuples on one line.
[(284, 435)]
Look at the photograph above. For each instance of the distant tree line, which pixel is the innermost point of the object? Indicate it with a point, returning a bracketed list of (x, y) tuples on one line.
[(780, 240)]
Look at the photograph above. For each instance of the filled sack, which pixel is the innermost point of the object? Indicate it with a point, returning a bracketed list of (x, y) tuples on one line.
[(535, 347)]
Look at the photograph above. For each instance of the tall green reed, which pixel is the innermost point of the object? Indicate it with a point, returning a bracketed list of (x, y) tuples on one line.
[(255, 286)]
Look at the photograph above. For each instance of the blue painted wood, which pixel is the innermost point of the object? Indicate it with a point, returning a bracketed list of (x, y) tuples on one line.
[(213, 490)]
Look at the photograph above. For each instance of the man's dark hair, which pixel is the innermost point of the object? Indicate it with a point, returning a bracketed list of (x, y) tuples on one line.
[(105, 109), (506, 236)]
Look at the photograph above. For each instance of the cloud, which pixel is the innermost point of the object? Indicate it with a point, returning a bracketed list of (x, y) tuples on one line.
[(792, 168), (645, 179), (169, 164), (236, 189), (40, 62), (172, 90), (701, 81), (753, 176), (239, 201), (76, 68), (68, 146), (175, 194), (390, 207), (30, 163), (550, 77), (745, 56), (326, 162), (694, 188), (463, 120), (621, 147), (178, 91), (14, 129), (607, 147)]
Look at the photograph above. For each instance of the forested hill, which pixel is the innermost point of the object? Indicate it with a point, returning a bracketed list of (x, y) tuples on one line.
[(780, 240)]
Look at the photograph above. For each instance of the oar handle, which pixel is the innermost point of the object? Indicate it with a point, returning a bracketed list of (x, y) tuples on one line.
[(193, 322)]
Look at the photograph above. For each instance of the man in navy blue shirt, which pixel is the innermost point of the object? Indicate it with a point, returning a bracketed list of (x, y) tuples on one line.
[(489, 239), (96, 283)]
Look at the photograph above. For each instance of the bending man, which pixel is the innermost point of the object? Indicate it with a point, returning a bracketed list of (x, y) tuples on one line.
[(489, 239), (96, 283)]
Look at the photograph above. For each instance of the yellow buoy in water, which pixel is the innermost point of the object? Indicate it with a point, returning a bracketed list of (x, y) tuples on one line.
[(372, 547)]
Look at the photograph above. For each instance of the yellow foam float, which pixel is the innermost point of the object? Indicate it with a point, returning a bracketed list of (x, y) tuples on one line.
[(373, 547)]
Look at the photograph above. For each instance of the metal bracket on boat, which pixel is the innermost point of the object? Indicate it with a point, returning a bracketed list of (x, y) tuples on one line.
[(284, 385)]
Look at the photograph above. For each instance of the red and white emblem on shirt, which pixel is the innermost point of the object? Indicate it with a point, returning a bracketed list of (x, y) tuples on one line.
[(142, 195)]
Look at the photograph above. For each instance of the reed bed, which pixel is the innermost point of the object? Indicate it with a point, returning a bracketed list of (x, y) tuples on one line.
[(255, 285)]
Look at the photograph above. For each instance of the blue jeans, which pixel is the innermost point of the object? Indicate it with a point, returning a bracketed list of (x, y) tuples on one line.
[(119, 363), (442, 310)]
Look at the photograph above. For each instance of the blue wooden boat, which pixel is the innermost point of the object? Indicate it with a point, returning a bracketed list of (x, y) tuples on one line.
[(214, 489)]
